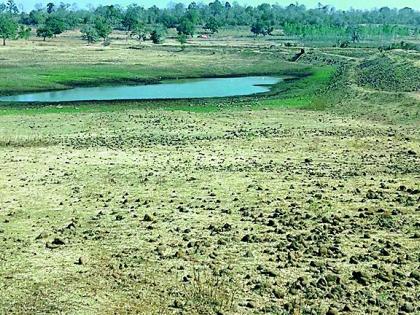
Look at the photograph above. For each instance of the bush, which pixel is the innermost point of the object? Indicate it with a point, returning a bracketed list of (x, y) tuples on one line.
[(401, 45), (107, 42), (158, 35), (89, 33)]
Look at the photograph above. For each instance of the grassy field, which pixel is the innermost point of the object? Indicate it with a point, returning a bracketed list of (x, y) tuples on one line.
[(67, 61), (300, 201)]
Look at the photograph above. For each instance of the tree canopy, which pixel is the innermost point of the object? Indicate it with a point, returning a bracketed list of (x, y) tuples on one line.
[(292, 20), (8, 27)]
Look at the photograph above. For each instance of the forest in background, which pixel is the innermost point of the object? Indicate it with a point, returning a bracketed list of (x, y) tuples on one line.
[(324, 22)]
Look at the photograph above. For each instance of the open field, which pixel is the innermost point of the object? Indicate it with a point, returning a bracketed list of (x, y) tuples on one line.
[(68, 61), (301, 201)]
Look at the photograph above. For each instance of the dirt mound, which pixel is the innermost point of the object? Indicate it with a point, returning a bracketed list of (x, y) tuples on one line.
[(388, 74)]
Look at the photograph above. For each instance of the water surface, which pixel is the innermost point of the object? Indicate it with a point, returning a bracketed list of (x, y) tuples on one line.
[(197, 88)]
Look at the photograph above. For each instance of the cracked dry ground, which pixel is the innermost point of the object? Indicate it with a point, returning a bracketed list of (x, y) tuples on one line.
[(246, 212)]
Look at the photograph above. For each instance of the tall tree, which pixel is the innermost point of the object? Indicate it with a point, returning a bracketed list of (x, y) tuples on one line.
[(216, 8), (50, 7), (37, 17), (212, 25), (56, 24), (44, 32), (139, 31), (11, 7), (89, 33), (186, 26), (8, 27), (112, 14), (24, 32), (261, 27), (132, 16), (102, 28)]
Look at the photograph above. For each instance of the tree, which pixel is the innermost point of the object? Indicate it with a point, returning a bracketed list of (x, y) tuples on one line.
[(295, 20), (24, 32), (55, 24), (132, 17), (261, 27), (193, 13), (354, 34), (186, 26), (182, 39), (89, 33), (212, 25), (44, 32), (158, 35), (8, 27), (168, 19), (216, 8), (11, 7), (139, 31), (50, 7), (112, 15), (102, 28), (37, 17)]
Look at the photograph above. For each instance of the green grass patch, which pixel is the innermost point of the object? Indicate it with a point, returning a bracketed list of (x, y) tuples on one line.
[(304, 93)]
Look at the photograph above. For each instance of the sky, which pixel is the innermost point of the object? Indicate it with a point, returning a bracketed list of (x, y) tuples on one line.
[(339, 4)]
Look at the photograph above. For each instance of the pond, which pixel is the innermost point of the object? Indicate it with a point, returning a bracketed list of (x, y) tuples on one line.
[(171, 89)]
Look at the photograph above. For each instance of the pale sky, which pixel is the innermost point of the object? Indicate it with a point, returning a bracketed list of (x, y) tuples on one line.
[(339, 4)]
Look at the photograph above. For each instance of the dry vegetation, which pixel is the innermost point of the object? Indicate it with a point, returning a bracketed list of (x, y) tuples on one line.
[(263, 208)]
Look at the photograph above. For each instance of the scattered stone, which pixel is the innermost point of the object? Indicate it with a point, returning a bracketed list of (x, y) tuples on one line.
[(42, 235), (360, 277), (332, 311), (58, 241), (415, 274), (407, 307), (81, 261), (278, 294)]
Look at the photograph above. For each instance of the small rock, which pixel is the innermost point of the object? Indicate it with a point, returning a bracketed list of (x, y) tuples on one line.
[(246, 238), (250, 305), (58, 241), (278, 294), (360, 277), (323, 251), (249, 254), (415, 275), (42, 235), (332, 311), (347, 308), (407, 307), (81, 261)]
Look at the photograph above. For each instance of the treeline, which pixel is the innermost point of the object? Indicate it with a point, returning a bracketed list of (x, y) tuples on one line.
[(152, 23)]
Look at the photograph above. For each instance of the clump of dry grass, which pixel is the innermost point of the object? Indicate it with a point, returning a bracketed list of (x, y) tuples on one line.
[(209, 292), (19, 141)]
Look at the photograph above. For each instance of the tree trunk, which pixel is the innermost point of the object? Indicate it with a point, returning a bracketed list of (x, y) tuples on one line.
[(4, 41)]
